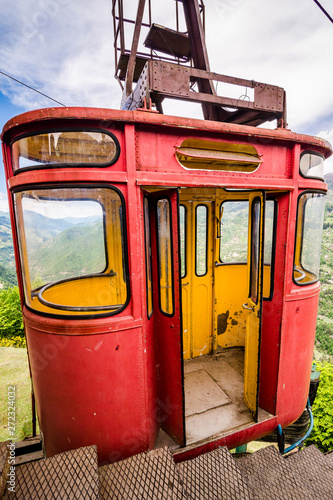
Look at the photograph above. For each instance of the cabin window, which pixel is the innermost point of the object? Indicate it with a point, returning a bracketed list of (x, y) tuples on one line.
[(312, 165), (182, 234), (309, 229), (234, 222), (269, 247), (201, 233), (165, 256), (65, 148), (255, 250), (148, 259), (72, 246)]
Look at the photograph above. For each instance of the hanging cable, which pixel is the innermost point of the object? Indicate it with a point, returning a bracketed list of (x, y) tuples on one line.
[(31, 88), (323, 10)]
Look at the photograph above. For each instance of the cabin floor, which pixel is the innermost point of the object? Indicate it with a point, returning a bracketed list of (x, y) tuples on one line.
[(214, 386)]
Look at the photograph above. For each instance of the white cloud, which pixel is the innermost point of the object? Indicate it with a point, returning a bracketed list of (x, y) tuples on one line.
[(65, 49), (3, 203)]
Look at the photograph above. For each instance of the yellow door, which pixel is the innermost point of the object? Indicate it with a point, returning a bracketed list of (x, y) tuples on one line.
[(252, 307), (197, 276)]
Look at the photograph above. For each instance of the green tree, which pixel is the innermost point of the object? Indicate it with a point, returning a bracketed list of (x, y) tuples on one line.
[(11, 323), (322, 434)]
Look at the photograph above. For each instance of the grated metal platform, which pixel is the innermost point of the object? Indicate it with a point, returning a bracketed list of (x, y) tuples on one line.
[(270, 477), (263, 475), (148, 476), (214, 475), (316, 471), (4, 466), (69, 475)]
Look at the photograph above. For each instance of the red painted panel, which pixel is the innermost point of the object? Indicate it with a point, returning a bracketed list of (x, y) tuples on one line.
[(168, 335), (297, 343), (272, 315), (90, 390)]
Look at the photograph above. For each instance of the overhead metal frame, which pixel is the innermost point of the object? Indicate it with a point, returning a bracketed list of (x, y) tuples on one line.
[(161, 73)]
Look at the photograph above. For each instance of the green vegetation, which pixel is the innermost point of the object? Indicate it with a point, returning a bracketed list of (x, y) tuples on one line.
[(14, 371), (322, 434), (11, 324)]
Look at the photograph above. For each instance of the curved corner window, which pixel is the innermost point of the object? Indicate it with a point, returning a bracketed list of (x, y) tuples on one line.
[(310, 216), (70, 148), (72, 249), (312, 165)]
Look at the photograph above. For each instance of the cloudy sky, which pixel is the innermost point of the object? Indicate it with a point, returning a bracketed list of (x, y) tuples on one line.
[(64, 48)]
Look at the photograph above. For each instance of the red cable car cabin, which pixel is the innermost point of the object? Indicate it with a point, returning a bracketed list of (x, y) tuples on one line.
[(168, 270)]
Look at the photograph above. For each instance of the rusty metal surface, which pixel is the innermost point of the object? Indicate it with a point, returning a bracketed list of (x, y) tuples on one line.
[(214, 475), (147, 476), (316, 471), (271, 478), (69, 475), (168, 41)]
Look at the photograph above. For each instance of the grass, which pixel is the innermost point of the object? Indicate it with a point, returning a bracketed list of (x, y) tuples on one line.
[(14, 371)]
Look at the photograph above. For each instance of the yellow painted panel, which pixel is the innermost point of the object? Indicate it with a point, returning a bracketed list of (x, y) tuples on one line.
[(186, 321), (230, 294), (201, 319)]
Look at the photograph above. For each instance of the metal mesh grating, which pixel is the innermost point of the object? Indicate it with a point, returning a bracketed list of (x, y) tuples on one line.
[(270, 477), (4, 466), (69, 475), (214, 475), (147, 476), (315, 471)]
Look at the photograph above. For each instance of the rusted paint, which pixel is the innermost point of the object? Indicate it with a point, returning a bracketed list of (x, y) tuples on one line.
[(222, 322), (234, 322)]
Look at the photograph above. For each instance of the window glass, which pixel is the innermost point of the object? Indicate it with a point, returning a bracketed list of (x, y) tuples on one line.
[(72, 249), (75, 147), (165, 256), (268, 247), (312, 165), (148, 259), (182, 227), (234, 231), (255, 250), (308, 237), (201, 240)]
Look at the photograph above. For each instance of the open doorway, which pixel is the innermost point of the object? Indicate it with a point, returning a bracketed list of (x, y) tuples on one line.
[(221, 236)]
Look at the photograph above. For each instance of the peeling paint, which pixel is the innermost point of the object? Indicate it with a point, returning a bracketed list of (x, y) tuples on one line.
[(222, 322), (234, 322)]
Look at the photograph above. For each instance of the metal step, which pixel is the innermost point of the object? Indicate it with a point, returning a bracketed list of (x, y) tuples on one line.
[(270, 476), (147, 476), (214, 475), (72, 474), (315, 470)]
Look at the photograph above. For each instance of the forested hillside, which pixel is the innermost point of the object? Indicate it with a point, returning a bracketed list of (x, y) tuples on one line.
[(324, 333), (59, 234)]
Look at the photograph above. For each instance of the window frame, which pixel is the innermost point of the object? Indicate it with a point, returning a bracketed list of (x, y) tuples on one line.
[(196, 240), (302, 193), (185, 242), (274, 229), (123, 226), (147, 223), (310, 176), (43, 166), (242, 262), (165, 313)]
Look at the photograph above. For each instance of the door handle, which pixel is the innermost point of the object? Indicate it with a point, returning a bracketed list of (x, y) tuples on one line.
[(246, 306), (184, 284)]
